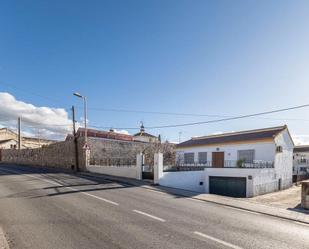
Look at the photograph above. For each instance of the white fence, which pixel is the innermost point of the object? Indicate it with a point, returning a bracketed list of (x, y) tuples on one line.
[(187, 180), (129, 171)]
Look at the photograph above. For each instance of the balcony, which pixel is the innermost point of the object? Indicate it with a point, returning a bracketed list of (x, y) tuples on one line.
[(302, 161)]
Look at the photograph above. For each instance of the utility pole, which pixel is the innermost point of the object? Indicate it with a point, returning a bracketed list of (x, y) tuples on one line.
[(75, 139), (19, 133), (180, 133), (85, 116), (73, 119)]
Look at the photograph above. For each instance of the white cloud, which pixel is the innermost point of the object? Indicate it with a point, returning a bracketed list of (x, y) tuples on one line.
[(42, 121), (122, 132), (301, 139)]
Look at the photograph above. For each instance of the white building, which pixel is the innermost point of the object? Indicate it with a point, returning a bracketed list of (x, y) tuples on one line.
[(143, 136), (241, 164), (301, 162)]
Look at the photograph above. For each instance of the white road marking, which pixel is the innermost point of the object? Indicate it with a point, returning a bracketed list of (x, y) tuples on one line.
[(94, 196), (60, 185), (217, 240), (149, 215)]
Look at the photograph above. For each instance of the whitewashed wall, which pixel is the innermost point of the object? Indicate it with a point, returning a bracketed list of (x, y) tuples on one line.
[(263, 180), (130, 171), (284, 159), (188, 180), (264, 151), (122, 171)]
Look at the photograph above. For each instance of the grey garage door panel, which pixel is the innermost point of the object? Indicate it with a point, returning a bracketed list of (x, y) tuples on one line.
[(228, 186)]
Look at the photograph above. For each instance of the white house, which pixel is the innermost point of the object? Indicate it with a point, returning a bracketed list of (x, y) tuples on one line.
[(241, 164), (301, 162)]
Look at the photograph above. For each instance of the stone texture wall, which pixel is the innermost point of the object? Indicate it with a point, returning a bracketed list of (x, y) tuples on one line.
[(58, 155), (102, 152), (113, 152)]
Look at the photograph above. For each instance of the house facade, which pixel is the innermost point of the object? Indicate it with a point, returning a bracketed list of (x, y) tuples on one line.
[(241, 164), (9, 138), (301, 163)]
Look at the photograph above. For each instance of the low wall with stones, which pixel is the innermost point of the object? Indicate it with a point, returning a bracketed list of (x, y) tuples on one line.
[(58, 155), (114, 152), (102, 152)]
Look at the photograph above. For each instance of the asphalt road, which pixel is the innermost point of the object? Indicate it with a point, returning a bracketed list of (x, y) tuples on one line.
[(43, 209)]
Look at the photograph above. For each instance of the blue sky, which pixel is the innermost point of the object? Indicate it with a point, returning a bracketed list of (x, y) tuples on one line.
[(205, 57)]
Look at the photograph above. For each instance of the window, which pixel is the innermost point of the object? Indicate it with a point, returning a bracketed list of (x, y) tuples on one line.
[(302, 159), (202, 157), (246, 155), (189, 158), (279, 149)]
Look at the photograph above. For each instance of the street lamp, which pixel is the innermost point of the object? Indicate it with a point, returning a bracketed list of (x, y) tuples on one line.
[(85, 113)]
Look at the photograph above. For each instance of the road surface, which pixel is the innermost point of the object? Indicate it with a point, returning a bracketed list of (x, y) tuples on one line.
[(44, 209)]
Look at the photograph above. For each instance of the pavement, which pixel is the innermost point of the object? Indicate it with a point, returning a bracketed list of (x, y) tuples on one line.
[(283, 204), (47, 209)]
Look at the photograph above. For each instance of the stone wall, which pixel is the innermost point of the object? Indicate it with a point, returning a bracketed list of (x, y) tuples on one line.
[(58, 155), (102, 152), (112, 152)]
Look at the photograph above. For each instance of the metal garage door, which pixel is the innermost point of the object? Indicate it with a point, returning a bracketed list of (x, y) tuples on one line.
[(229, 186)]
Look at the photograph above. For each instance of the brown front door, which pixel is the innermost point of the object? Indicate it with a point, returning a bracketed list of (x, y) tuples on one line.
[(218, 159)]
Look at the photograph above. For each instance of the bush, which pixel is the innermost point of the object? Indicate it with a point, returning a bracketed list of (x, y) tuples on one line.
[(240, 163)]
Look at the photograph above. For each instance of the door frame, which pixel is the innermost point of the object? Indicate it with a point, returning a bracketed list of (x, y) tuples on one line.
[(215, 162)]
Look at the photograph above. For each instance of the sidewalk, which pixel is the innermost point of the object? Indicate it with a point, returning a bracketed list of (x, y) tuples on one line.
[(244, 204)]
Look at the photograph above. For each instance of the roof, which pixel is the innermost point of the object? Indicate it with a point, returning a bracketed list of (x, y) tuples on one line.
[(301, 148), (232, 137), (143, 134), (104, 134), (7, 140)]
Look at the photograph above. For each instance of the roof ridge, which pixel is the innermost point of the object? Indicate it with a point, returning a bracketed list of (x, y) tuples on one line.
[(240, 132)]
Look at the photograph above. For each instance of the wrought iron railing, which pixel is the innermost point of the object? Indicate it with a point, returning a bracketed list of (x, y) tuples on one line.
[(118, 162), (257, 164), (303, 161)]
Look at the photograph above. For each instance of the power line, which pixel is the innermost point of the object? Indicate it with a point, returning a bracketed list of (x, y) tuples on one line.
[(178, 114), (209, 121), (228, 119)]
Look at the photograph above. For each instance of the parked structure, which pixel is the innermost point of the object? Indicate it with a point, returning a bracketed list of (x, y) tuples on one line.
[(9, 140), (239, 164), (301, 163)]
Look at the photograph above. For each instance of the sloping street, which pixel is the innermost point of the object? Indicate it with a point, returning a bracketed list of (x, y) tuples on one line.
[(48, 209)]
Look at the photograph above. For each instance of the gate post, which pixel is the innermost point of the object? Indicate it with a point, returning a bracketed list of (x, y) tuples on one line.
[(139, 166), (158, 167)]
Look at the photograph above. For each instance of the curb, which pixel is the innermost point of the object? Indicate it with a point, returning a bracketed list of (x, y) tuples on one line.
[(150, 186)]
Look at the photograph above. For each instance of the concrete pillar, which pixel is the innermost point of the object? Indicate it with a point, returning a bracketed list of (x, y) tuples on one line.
[(158, 167), (305, 194), (139, 165)]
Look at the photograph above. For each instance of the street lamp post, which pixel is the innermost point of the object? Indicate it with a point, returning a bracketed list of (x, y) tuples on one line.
[(85, 113)]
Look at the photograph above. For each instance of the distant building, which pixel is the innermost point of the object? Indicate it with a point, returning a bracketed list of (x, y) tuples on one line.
[(301, 162), (110, 135), (143, 136), (9, 140)]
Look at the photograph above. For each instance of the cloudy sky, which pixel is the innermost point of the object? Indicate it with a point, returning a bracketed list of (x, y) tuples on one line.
[(46, 121), (157, 61)]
